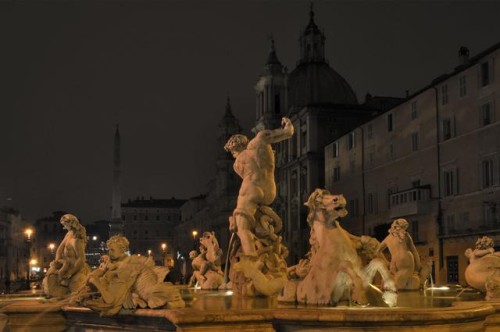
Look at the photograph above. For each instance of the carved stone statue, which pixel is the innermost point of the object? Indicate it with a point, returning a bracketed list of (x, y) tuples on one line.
[(483, 272), (257, 263), (207, 265), (333, 270), (127, 282), (405, 260), (67, 272)]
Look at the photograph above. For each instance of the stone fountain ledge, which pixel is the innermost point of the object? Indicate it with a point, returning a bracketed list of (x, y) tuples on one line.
[(462, 316), (231, 313)]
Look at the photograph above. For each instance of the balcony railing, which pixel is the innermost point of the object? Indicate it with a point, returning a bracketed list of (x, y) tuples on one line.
[(410, 202)]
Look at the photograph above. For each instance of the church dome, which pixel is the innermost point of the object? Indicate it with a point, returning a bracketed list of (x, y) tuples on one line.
[(316, 83), (313, 81)]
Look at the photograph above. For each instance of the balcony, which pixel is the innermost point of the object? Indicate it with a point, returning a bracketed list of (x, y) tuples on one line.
[(410, 202)]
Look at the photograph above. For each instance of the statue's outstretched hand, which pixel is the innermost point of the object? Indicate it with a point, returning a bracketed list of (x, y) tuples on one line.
[(285, 121)]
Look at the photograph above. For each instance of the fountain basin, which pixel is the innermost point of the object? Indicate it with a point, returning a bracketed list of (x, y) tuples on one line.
[(223, 311)]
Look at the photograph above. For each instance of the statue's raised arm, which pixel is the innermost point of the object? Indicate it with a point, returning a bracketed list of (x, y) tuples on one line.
[(277, 135)]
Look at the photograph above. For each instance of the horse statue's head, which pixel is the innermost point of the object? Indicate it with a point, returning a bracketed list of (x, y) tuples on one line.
[(323, 200)]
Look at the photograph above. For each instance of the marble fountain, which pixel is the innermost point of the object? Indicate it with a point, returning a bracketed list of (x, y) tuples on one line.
[(344, 283)]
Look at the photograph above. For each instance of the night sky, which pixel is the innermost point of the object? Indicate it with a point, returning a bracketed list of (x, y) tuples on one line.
[(71, 70)]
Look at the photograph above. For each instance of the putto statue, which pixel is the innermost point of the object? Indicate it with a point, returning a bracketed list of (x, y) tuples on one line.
[(257, 262), (127, 282), (67, 272), (405, 260), (483, 272), (333, 270), (207, 265)]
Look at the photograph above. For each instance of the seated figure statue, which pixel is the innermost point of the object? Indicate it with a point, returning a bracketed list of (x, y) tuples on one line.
[(483, 272), (405, 260), (257, 255), (127, 282), (67, 272), (207, 265)]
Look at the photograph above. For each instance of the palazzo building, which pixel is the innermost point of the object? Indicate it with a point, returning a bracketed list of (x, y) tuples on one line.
[(433, 160), (148, 223)]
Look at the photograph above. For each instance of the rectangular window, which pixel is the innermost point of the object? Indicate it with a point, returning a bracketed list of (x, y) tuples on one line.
[(450, 223), (489, 214), (351, 142), (303, 140), (462, 86), (487, 173), (352, 166), (444, 94), (336, 174), (452, 267), (448, 129), (369, 131), (371, 203), (390, 124), (486, 117), (371, 159), (414, 230), (450, 182), (335, 150), (353, 208), (485, 73), (414, 110), (414, 141), (391, 150), (465, 219)]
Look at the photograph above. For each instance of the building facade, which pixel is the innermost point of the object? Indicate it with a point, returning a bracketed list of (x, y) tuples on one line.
[(149, 224), (433, 160), (16, 248)]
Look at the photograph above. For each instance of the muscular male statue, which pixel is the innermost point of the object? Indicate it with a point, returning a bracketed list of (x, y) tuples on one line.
[(255, 165)]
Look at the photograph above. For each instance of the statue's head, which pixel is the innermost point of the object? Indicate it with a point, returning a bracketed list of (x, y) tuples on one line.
[(193, 254), (484, 242), (398, 228), (236, 144), (324, 200), (118, 247), (209, 240), (69, 221), (399, 224)]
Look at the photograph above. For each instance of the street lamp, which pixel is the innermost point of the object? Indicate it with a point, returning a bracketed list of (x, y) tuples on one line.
[(195, 232), (149, 252), (28, 232), (33, 262), (51, 247), (164, 252)]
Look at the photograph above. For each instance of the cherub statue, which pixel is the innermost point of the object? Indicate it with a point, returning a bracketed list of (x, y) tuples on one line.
[(405, 260), (483, 272), (207, 265), (128, 282), (258, 266), (67, 272)]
